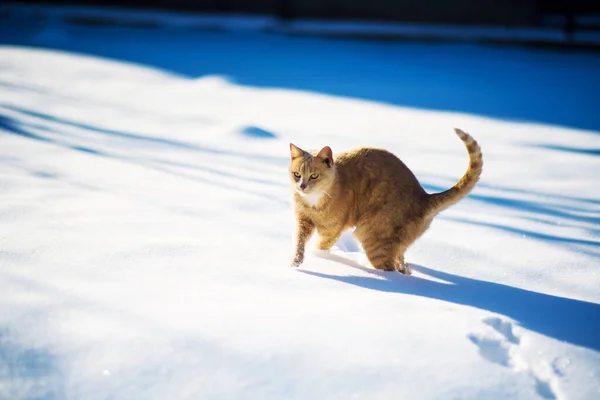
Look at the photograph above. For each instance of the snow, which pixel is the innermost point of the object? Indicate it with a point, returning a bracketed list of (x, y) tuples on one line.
[(146, 219)]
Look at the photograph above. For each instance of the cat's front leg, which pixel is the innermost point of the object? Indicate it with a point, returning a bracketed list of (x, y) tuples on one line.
[(304, 230)]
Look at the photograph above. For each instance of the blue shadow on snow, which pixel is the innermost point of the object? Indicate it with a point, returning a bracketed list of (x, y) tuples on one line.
[(536, 209), (585, 218), (589, 152), (543, 86), (573, 321), (28, 373), (10, 126), (15, 126), (258, 133)]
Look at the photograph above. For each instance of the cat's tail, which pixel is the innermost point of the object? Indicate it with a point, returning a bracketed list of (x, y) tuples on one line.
[(443, 200)]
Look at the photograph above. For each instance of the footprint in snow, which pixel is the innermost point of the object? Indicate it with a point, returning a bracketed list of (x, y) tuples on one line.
[(501, 346)]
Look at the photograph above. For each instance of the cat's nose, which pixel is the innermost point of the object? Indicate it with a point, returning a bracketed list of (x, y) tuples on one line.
[(303, 185)]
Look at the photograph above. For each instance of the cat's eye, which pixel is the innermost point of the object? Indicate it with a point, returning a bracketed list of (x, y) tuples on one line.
[(297, 175), (314, 176)]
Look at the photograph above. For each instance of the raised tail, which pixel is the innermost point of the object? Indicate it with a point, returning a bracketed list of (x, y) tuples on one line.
[(443, 200)]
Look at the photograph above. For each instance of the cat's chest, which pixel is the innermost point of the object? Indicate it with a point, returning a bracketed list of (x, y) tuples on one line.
[(329, 215), (312, 199)]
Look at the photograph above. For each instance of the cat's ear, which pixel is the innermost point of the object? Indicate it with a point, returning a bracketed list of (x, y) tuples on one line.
[(296, 151), (326, 155)]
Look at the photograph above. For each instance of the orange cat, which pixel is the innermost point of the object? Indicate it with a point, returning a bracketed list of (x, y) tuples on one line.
[(372, 190)]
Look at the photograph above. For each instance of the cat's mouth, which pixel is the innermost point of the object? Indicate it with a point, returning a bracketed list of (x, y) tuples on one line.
[(306, 191)]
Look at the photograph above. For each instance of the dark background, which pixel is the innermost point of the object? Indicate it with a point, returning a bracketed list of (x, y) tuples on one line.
[(476, 12)]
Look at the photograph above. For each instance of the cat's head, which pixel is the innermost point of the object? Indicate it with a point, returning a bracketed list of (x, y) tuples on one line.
[(311, 173)]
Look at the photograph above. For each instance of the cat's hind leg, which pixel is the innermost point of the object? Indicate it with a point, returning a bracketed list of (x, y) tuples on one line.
[(385, 245), (382, 256), (382, 247), (407, 236), (403, 266)]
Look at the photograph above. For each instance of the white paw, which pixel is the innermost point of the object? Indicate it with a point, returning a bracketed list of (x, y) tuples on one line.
[(297, 261)]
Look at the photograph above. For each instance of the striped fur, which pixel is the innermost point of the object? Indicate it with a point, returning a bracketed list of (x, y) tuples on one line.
[(375, 192), (440, 201)]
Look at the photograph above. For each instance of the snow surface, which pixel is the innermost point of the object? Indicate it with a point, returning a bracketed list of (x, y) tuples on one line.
[(146, 223)]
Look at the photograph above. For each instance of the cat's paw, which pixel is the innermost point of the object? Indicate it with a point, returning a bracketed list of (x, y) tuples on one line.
[(404, 269), (389, 267), (297, 261)]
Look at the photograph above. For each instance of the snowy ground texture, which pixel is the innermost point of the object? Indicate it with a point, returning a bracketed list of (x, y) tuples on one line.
[(146, 223)]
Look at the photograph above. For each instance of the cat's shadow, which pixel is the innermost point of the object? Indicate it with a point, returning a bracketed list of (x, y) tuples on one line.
[(327, 255), (565, 319)]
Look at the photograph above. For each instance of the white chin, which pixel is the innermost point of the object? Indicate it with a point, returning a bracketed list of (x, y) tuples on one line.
[(301, 193)]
